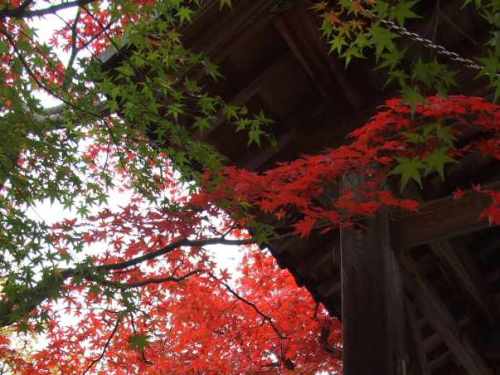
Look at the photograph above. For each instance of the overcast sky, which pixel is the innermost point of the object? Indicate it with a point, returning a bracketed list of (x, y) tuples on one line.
[(227, 256)]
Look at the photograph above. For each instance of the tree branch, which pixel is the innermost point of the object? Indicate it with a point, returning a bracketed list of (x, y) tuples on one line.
[(74, 50), (105, 348), (154, 280), (41, 84), (171, 247), (12, 311), (264, 316), (23, 12)]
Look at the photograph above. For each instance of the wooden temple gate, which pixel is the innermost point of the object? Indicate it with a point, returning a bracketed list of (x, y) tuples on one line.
[(418, 294)]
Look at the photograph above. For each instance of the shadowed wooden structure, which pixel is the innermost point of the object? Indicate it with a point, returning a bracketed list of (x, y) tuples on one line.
[(418, 293)]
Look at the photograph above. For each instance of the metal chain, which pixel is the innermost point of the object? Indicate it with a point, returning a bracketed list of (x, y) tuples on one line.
[(427, 43)]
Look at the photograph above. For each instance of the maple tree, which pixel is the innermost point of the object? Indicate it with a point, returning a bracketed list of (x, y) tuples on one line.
[(135, 289)]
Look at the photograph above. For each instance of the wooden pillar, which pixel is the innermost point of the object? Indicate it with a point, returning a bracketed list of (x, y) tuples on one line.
[(372, 302)]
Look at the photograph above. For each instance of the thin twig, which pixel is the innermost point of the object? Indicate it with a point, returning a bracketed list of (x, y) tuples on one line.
[(264, 316), (41, 84), (103, 28), (22, 12), (105, 348), (74, 50)]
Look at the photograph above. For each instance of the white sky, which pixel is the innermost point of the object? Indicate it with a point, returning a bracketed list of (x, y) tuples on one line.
[(228, 257)]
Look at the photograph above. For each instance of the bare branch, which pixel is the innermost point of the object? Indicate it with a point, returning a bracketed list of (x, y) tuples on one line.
[(154, 280), (40, 293), (264, 316), (23, 12), (171, 247), (105, 348), (74, 50)]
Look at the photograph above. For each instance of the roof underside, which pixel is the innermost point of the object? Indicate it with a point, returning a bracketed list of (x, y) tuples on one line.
[(275, 61)]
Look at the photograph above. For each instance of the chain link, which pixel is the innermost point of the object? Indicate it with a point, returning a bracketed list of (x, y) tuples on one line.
[(427, 43)]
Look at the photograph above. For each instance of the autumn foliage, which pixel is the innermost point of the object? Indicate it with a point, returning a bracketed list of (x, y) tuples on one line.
[(197, 325), (191, 317), (135, 288), (411, 143)]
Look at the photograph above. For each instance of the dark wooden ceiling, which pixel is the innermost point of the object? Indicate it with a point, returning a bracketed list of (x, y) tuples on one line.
[(276, 61)]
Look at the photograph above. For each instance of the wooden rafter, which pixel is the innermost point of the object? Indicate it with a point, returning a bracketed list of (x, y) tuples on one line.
[(438, 316), (417, 338), (336, 67), (299, 53), (247, 92), (476, 293), (225, 26)]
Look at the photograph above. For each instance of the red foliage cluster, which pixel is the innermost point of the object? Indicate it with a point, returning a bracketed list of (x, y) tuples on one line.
[(350, 182), (198, 325), (189, 317), (97, 29)]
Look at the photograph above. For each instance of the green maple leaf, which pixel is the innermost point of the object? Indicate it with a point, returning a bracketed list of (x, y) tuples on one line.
[(350, 53), (437, 160), (231, 112), (399, 76), (445, 134), (411, 96), (223, 3), (415, 138), (392, 59), (402, 11), (138, 342), (337, 44), (383, 40), (422, 72), (202, 124), (428, 129), (381, 8), (433, 75), (184, 14), (491, 65), (409, 169)]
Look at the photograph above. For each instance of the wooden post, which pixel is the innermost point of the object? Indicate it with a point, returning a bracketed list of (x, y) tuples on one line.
[(372, 302)]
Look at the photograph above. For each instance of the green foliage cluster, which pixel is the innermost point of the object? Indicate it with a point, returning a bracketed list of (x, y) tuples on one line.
[(153, 100), (150, 103), (434, 162), (357, 29)]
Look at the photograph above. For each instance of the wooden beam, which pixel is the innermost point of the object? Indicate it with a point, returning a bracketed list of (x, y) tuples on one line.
[(225, 26), (418, 341), (476, 293), (440, 361), (441, 219), (299, 53), (247, 92), (337, 68), (329, 287), (372, 302), (438, 316)]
